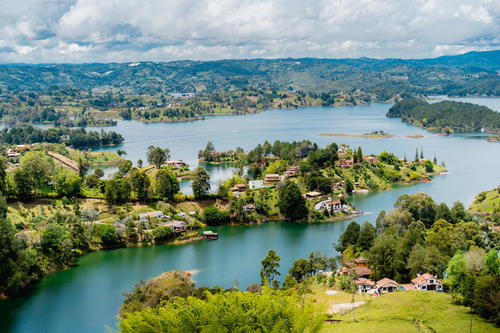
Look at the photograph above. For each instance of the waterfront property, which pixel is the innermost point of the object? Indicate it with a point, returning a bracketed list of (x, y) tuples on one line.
[(253, 184), (329, 205)]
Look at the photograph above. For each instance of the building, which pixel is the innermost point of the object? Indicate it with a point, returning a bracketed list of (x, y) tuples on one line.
[(176, 226), (330, 205), (255, 184), (361, 261), (11, 153), (364, 285), (427, 282), (346, 163), (272, 178), (292, 171), (239, 188), (386, 285), (371, 159), (249, 208), (361, 271), (145, 217), (312, 195), (178, 164)]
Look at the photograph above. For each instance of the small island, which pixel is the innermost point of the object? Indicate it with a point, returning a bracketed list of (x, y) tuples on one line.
[(447, 116), (371, 135)]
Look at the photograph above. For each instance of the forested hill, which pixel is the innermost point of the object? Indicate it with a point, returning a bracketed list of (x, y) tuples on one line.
[(474, 73), (446, 116)]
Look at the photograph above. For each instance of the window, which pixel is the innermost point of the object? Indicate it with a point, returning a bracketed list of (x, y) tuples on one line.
[(431, 281)]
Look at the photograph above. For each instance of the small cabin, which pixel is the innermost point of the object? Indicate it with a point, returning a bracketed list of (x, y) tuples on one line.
[(427, 282), (145, 217), (387, 285), (209, 234)]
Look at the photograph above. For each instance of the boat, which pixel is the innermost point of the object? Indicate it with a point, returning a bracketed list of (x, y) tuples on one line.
[(209, 234)]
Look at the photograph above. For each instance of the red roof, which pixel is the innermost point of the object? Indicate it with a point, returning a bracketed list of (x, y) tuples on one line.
[(364, 281), (362, 271), (384, 281), (422, 278)]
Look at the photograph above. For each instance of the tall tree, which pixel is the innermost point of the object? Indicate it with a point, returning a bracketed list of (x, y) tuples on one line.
[(158, 156), (201, 183), (269, 270), (139, 182), (166, 184), (291, 203)]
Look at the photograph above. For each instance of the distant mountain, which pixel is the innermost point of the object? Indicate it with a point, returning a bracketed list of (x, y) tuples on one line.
[(474, 73)]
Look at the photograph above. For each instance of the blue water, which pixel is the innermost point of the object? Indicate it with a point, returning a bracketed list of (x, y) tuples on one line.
[(87, 297)]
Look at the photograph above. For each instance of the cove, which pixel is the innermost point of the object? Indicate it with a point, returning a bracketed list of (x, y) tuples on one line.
[(86, 298)]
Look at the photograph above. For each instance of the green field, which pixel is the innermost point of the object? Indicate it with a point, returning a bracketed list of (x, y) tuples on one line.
[(408, 311), (486, 202)]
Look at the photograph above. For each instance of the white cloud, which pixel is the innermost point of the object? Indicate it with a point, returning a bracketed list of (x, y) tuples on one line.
[(132, 30)]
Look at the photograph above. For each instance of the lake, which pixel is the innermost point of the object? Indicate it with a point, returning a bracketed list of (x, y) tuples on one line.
[(86, 298)]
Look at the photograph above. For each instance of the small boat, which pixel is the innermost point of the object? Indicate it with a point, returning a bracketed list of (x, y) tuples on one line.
[(209, 234)]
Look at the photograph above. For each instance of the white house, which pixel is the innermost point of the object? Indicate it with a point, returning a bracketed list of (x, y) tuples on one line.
[(255, 184), (364, 284), (144, 217), (387, 285), (428, 282), (330, 205)]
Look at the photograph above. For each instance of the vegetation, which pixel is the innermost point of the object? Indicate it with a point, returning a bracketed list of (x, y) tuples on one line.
[(446, 116), (78, 138), (487, 202)]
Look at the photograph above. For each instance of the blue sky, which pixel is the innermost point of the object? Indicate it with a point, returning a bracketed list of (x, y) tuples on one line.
[(163, 30)]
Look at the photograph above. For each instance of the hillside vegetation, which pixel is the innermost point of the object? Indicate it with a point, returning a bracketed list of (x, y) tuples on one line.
[(471, 73), (446, 116)]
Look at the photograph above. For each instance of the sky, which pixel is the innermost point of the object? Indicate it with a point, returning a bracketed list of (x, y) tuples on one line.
[(75, 31)]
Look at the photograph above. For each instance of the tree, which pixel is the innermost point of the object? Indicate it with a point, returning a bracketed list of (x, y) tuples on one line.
[(162, 233), (349, 237), (360, 155), (24, 183), (486, 299), (383, 256), (214, 216), (117, 190), (3, 174), (458, 212), (139, 182), (291, 203), (158, 156), (366, 237), (443, 212), (67, 183), (416, 155), (121, 152), (166, 184), (38, 166), (349, 187), (420, 205), (426, 259), (108, 235), (201, 183), (269, 270)]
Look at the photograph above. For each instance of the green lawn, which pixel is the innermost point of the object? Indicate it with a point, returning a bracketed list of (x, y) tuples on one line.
[(410, 311), (486, 202)]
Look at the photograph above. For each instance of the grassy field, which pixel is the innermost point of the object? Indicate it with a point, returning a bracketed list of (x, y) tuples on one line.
[(401, 312), (486, 202)]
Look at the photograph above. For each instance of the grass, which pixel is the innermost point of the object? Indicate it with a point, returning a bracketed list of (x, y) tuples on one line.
[(486, 202), (408, 311)]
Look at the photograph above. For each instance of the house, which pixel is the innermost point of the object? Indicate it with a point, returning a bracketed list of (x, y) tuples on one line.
[(291, 171), (386, 285), (249, 208), (176, 226), (427, 282), (364, 284), (312, 195), (338, 185), (371, 159), (346, 163), (239, 188), (361, 261), (362, 271), (21, 148), (145, 217), (255, 184), (272, 178), (177, 164), (12, 154), (330, 205)]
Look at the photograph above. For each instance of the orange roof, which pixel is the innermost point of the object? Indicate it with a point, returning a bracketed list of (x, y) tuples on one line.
[(367, 282), (362, 271), (423, 277), (360, 260), (384, 281)]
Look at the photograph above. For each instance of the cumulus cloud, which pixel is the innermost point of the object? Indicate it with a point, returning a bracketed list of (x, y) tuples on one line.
[(133, 30)]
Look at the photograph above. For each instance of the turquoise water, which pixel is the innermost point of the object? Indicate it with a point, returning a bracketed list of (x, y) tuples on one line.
[(86, 298)]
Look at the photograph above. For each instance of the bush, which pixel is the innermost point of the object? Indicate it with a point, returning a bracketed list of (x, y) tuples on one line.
[(162, 233), (213, 216)]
